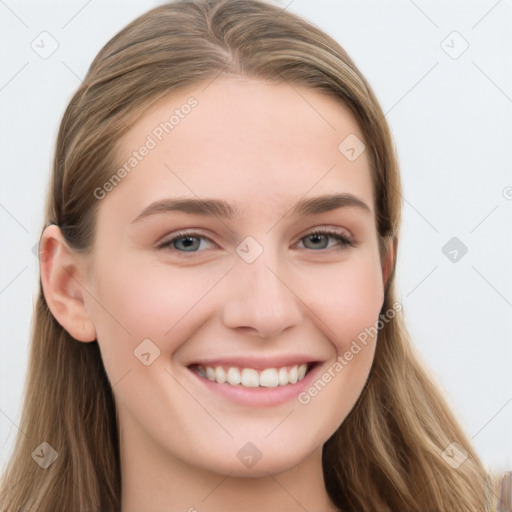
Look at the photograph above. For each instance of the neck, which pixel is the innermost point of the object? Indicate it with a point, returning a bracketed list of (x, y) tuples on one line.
[(153, 480)]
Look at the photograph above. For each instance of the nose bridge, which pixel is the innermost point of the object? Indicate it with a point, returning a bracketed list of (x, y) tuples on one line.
[(260, 298), (264, 282)]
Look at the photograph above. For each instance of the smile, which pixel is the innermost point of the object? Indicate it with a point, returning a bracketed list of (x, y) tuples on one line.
[(251, 378)]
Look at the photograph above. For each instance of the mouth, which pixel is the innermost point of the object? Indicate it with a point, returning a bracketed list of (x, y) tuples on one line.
[(247, 377), (255, 380)]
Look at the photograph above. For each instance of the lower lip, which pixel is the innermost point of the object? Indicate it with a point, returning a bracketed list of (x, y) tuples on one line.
[(260, 396)]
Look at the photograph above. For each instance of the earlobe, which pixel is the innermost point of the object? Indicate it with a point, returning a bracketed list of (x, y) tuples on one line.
[(61, 278)]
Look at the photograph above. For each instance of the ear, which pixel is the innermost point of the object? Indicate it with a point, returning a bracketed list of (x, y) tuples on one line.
[(62, 278), (389, 259)]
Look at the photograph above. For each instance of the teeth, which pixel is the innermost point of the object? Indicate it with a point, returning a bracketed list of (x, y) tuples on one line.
[(282, 377), (269, 378), (251, 378), (220, 375), (292, 376), (234, 376)]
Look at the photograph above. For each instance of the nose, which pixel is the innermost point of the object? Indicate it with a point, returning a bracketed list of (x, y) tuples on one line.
[(261, 298)]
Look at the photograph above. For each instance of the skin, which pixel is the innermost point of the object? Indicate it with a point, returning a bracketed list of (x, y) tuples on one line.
[(263, 146)]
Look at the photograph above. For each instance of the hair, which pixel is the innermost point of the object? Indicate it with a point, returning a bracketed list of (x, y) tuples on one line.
[(387, 454)]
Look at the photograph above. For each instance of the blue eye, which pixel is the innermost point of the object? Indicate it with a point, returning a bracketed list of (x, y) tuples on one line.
[(324, 236), (191, 241)]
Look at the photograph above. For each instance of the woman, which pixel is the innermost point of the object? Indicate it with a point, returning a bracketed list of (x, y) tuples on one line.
[(217, 326)]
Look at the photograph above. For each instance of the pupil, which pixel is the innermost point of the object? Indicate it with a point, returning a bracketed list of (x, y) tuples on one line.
[(317, 238), (188, 242)]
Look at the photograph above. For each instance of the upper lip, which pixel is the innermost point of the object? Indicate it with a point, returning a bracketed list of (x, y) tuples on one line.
[(258, 363)]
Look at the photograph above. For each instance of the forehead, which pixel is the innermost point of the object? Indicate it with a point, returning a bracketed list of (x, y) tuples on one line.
[(259, 144)]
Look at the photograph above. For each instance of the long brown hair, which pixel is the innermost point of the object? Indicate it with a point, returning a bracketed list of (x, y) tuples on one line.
[(388, 453)]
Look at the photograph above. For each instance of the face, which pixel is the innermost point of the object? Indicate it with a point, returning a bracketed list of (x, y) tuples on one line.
[(260, 286)]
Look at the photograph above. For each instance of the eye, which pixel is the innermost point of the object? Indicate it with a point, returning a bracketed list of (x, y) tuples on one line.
[(320, 239), (185, 242)]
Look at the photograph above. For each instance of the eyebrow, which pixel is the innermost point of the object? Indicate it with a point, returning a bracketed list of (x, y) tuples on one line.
[(224, 209)]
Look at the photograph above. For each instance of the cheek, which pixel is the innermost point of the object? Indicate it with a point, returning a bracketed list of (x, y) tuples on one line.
[(348, 297), (139, 300)]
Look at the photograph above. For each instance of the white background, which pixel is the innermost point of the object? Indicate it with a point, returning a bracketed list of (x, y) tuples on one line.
[(452, 121)]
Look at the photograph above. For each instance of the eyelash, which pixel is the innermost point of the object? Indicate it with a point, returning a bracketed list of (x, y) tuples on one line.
[(343, 240)]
